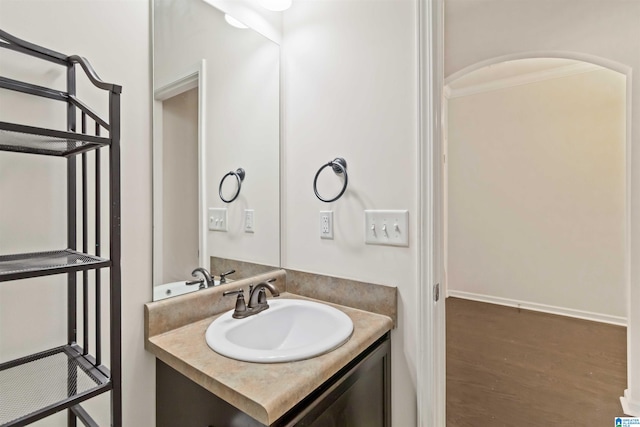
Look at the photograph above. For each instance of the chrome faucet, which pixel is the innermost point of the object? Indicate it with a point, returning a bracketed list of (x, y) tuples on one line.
[(257, 299), (206, 281)]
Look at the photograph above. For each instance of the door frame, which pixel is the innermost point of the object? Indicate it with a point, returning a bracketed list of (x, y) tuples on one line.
[(430, 358), (190, 78)]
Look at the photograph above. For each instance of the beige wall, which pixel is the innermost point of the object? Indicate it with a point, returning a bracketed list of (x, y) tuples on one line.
[(180, 186), (114, 36), (537, 193), (350, 84)]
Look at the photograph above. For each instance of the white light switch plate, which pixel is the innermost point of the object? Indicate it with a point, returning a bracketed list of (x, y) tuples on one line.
[(390, 228), (218, 219)]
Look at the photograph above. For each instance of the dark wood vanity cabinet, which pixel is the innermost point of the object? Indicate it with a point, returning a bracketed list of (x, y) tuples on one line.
[(359, 395)]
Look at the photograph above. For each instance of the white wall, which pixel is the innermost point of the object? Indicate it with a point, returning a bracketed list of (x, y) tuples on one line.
[(478, 31), (350, 90), (241, 118), (114, 36), (537, 193)]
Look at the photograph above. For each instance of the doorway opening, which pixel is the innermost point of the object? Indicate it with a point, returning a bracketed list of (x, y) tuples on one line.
[(536, 225), (179, 240), (180, 251)]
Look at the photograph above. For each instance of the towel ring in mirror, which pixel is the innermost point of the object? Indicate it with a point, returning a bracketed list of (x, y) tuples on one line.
[(339, 166), (239, 174)]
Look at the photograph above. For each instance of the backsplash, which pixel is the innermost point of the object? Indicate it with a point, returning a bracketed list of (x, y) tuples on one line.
[(243, 269), (379, 299)]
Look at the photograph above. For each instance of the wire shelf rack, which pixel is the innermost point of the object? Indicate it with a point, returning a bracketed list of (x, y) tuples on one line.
[(40, 385), (35, 386), (33, 140), (22, 266)]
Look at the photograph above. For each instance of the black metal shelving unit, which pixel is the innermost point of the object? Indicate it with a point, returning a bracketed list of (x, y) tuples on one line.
[(61, 378)]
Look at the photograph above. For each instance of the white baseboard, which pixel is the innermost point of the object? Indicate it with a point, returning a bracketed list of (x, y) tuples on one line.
[(629, 407), (561, 311)]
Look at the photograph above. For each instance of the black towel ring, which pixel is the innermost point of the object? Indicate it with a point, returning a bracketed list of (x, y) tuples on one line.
[(339, 166), (239, 174)]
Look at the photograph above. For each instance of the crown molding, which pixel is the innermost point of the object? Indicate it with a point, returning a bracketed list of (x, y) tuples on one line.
[(523, 79)]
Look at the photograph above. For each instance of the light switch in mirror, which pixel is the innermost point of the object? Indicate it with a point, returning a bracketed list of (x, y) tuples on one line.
[(216, 109)]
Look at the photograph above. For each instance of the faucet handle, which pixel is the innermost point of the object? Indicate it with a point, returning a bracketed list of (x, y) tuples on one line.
[(223, 276), (199, 282), (241, 307)]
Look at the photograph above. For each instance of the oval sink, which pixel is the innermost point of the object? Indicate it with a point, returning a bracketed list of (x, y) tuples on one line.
[(288, 330)]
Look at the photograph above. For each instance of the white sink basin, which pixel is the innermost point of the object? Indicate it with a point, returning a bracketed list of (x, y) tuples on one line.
[(288, 330)]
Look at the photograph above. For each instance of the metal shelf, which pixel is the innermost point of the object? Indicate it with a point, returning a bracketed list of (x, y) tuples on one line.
[(39, 385), (22, 266), (48, 142)]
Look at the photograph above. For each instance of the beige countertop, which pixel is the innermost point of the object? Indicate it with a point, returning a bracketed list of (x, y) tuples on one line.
[(263, 391)]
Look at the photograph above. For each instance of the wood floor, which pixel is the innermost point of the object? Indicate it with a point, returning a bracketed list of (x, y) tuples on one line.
[(510, 367)]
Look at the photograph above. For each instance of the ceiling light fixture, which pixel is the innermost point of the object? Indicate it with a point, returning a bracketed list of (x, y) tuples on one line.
[(275, 5), (233, 21)]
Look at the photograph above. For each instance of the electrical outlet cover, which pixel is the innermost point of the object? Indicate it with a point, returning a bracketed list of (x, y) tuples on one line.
[(326, 224)]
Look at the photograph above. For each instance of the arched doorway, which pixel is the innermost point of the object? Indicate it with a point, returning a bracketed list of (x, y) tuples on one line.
[(598, 63)]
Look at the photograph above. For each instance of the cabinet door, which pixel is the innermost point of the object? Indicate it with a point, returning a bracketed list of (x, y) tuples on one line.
[(182, 403), (361, 405), (360, 396)]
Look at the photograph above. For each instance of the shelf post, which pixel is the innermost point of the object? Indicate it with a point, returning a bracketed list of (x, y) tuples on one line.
[(71, 239), (115, 255)]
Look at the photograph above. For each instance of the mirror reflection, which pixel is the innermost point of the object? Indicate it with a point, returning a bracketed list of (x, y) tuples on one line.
[(216, 148)]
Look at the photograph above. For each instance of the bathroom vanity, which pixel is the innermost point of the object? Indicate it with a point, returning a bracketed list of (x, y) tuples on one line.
[(201, 388), (357, 395)]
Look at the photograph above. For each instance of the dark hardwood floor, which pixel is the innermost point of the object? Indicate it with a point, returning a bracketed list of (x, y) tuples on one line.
[(510, 367)]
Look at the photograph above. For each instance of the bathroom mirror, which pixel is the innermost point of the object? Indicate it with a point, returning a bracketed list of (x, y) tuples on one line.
[(216, 110)]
